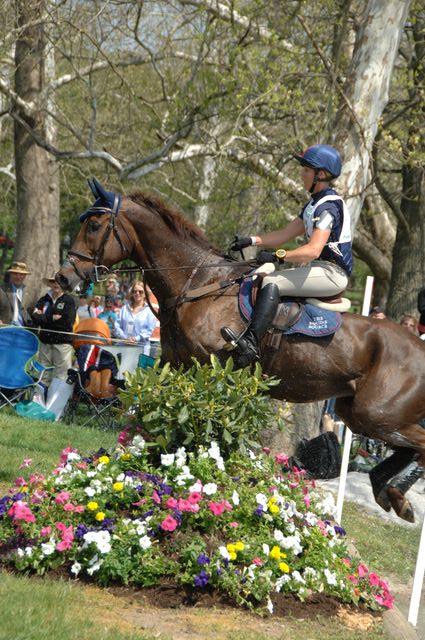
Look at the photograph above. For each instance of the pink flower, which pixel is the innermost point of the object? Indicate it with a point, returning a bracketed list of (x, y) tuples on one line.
[(21, 511), (374, 579), (171, 503), (155, 497), (26, 463), (347, 562), (68, 506), (307, 501), (63, 545), (168, 524), (226, 505), (266, 450), (65, 453), (195, 497), (186, 505), (36, 478), (234, 524), (62, 497), (38, 496), (353, 579), (362, 570), (45, 531), (81, 465), (217, 508), (385, 601), (79, 508), (257, 561), (281, 458), (20, 482)]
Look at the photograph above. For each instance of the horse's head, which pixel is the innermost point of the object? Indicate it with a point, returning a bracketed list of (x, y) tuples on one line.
[(103, 240)]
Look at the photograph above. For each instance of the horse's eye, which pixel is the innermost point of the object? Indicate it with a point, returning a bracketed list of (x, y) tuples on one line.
[(93, 226)]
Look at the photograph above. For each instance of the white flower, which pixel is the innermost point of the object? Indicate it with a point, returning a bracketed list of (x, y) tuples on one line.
[(235, 498), (76, 568), (100, 538), (181, 457), (278, 535), (120, 477), (90, 492), (91, 474), (214, 451), (140, 529), (281, 581), (327, 505), (251, 454), (73, 456), (311, 519), (197, 487), (270, 605), (183, 476), (224, 553), (28, 551), (167, 459), (261, 499), (289, 542), (138, 441), (266, 549), (47, 548), (210, 488), (297, 577), (145, 542), (20, 552), (330, 577), (94, 565)]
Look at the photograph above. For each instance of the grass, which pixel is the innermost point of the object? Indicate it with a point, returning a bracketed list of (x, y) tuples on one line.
[(36, 609)]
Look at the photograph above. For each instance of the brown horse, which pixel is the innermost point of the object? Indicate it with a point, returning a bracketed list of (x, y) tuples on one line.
[(375, 368)]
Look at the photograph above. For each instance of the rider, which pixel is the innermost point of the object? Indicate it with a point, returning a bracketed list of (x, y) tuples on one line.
[(325, 259)]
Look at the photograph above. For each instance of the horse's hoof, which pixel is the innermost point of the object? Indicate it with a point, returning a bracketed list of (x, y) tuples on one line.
[(401, 504), (383, 500)]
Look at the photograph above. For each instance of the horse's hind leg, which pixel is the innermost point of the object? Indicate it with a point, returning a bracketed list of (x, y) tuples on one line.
[(400, 485), (384, 471)]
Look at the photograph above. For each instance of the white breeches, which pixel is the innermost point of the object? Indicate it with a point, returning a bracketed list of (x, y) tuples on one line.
[(318, 279)]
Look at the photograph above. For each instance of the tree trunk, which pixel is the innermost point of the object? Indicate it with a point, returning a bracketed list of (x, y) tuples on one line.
[(37, 242), (366, 94)]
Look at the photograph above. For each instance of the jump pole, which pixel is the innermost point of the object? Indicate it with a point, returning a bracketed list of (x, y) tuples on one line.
[(348, 436)]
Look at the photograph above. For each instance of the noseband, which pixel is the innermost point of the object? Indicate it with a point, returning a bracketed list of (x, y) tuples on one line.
[(98, 254)]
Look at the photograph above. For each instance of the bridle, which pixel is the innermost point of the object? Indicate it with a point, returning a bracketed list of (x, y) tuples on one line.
[(97, 257)]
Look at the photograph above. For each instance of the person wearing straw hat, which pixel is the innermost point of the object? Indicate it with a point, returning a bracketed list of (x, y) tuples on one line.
[(54, 314), (13, 298)]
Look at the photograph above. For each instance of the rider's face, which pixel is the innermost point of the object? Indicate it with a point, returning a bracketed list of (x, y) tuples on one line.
[(307, 174)]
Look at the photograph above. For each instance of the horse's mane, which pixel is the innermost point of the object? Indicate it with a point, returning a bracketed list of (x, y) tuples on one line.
[(173, 219)]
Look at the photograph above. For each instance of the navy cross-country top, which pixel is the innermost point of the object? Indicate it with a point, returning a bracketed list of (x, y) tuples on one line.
[(338, 248)]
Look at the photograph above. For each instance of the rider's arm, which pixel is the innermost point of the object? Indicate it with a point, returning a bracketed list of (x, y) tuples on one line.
[(311, 250), (274, 239)]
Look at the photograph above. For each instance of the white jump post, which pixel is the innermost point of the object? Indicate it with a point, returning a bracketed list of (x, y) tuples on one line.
[(348, 434), (418, 580)]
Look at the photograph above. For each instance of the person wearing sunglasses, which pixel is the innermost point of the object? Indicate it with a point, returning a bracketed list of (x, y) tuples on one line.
[(136, 321)]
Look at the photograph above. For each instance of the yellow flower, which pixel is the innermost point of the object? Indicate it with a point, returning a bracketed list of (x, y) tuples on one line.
[(118, 486), (239, 546), (232, 555), (92, 506), (23, 489), (126, 457), (276, 553), (273, 508), (104, 459), (231, 548), (101, 516), (272, 500), (284, 567)]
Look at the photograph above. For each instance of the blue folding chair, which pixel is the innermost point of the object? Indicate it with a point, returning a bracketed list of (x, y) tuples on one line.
[(20, 372)]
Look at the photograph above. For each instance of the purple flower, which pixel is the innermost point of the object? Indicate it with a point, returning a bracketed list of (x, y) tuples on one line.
[(259, 510), (202, 559), (339, 530), (80, 531), (201, 580)]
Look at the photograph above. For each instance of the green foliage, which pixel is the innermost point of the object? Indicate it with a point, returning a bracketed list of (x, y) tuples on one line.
[(205, 403)]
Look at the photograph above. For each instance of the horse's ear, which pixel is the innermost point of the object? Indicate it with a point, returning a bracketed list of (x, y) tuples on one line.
[(92, 186), (100, 192)]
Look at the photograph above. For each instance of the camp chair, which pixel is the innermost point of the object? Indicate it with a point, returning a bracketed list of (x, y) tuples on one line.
[(20, 372), (93, 391)]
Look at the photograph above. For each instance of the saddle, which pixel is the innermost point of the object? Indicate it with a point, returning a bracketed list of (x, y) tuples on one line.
[(295, 315)]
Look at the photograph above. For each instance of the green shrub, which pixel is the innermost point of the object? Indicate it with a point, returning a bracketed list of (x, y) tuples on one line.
[(193, 407)]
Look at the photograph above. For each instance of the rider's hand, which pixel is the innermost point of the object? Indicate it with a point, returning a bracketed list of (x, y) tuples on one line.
[(240, 242), (265, 256)]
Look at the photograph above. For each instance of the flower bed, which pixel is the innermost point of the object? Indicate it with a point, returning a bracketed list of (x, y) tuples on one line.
[(244, 526)]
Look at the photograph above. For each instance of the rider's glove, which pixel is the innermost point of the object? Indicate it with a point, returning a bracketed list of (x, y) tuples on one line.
[(240, 242), (265, 256)]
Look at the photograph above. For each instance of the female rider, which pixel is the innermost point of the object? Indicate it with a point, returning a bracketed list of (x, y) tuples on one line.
[(325, 259)]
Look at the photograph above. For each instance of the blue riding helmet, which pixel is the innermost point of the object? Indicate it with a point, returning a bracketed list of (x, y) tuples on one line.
[(321, 156)]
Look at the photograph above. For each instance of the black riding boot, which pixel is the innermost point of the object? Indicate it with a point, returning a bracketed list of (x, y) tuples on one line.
[(246, 344), (400, 485)]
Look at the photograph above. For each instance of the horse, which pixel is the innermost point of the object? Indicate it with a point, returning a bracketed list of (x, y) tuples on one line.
[(374, 368)]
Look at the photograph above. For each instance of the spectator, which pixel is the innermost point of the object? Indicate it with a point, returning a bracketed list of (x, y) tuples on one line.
[(108, 315), (378, 313), (155, 339), (409, 322), (112, 286), (55, 314), (13, 298), (97, 306), (85, 307), (136, 321)]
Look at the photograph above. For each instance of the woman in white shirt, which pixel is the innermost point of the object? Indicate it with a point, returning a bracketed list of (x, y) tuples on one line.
[(136, 321)]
